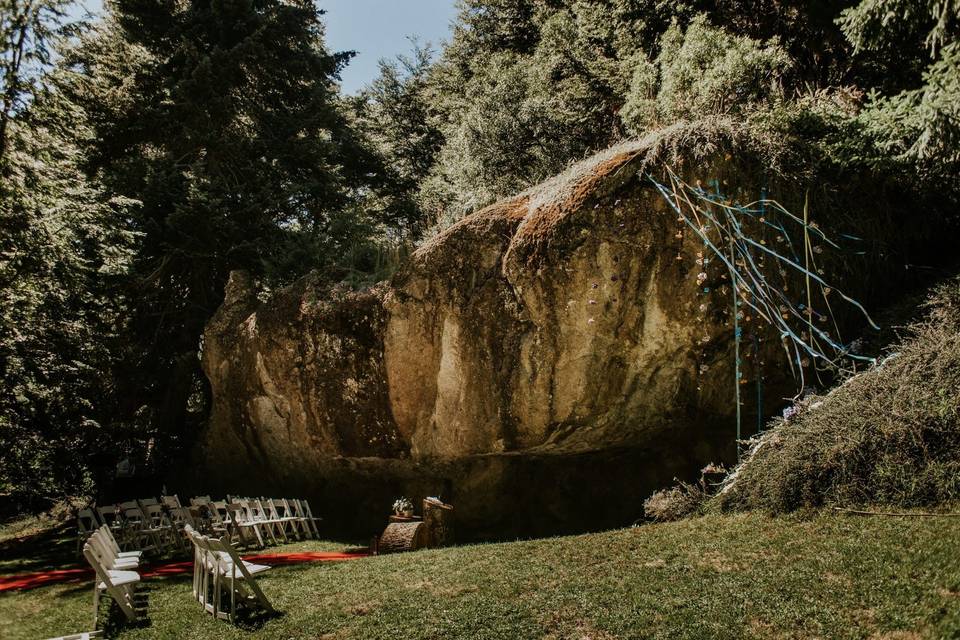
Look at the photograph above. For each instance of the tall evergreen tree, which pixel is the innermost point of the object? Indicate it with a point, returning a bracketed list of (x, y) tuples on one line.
[(396, 114), (64, 249), (220, 118), (28, 29), (918, 43)]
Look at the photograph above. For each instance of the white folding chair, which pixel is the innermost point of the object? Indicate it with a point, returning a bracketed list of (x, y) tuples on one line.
[(171, 502), (300, 522), (219, 515), (161, 523), (218, 567), (111, 516), (269, 517), (200, 565), (302, 507), (87, 523), (109, 556), (236, 576), (181, 516), (107, 536), (138, 527), (120, 584), (243, 526), (282, 511)]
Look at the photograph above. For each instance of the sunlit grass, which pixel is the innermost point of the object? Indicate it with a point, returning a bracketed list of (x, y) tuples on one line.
[(830, 576)]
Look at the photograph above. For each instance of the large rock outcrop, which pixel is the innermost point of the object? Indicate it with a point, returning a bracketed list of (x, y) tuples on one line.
[(543, 364)]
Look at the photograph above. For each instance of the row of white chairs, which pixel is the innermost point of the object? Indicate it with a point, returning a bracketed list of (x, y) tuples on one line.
[(146, 524), (218, 568), (157, 525), (254, 521)]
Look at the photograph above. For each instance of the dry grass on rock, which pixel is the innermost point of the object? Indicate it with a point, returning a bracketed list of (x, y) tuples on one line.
[(888, 436)]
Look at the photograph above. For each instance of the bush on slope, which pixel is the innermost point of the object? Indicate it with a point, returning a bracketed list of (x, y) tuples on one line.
[(888, 436)]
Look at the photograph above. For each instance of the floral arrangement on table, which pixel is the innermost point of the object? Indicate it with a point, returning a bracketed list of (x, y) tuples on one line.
[(403, 507)]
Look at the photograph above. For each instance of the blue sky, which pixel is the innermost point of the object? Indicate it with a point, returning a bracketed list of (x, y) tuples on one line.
[(375, 29), (380, 29)]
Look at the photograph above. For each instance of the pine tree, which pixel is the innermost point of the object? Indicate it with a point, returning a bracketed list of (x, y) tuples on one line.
[(396, 115), (220, 118), (918, 42), (28, 29)]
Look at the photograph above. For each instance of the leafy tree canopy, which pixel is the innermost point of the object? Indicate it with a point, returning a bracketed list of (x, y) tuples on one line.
[(64, 252), (527, 86)]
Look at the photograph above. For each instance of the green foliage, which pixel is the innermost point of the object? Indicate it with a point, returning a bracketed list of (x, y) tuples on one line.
[(175, 142), (890, 435), (491, 26), (924, 123), (63, 253), (877, 24), (394, 113), (515, 110), (920, 118), (703, 71), (28, 30), (222, 121), (491, 149), (525, 88), (64, 249)]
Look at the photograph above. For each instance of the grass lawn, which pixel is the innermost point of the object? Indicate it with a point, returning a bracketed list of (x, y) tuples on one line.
[(827, 576)]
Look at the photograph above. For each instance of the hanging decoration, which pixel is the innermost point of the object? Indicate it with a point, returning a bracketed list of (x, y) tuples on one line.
[(757, 246)]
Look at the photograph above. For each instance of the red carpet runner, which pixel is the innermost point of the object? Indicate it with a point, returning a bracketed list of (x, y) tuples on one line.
[(43, 578)]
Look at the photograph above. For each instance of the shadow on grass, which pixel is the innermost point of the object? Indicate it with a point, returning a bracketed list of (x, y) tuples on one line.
[(53, 548), (248, 617), (253, 619), (112, 620)]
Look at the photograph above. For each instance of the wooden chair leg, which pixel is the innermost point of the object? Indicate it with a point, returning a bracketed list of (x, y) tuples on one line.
[(233, 596), (126, 603), (96, 604), (216, 593), (256, 530)]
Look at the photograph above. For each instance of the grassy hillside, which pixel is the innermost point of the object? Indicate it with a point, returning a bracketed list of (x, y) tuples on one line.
[(718, 576)]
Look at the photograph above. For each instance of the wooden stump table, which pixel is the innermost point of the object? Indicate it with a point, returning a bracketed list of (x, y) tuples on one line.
[(409, 533), (403, 533)]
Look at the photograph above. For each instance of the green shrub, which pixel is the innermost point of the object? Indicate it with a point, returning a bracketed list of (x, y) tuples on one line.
[(888, 436), (702, 71)]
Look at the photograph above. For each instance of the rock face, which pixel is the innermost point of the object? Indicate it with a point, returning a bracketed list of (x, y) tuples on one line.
[(543, 365)]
